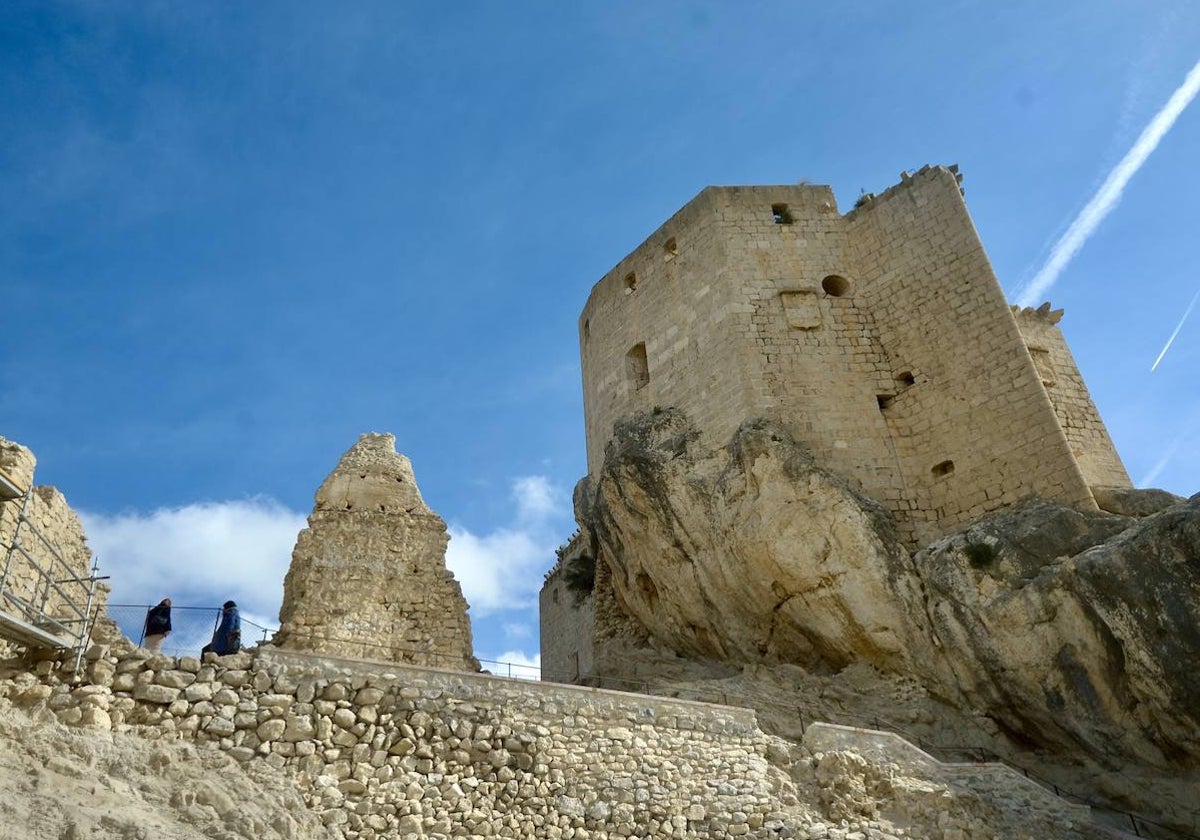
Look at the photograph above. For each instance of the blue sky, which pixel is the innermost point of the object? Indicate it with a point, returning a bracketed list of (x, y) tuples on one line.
[(235, 236)]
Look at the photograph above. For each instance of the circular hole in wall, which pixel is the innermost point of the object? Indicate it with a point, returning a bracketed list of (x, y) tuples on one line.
[(836, 286)]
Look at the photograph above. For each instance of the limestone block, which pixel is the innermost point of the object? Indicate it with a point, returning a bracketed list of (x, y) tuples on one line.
[(271, 730), (153, 693), (175, 679)]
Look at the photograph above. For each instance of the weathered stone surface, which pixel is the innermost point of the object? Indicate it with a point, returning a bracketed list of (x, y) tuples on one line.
[(1060, 622), (368, 577), (1132, 501), (152, 693), (1052, 623), (748, 555), (529, 760), (49, 513)]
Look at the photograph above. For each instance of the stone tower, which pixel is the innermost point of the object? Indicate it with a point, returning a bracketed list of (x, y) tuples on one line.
[(880, 338), (368, 577)]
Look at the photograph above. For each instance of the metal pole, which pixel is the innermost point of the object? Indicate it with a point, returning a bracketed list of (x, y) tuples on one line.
[(84, 629), (16, 535)]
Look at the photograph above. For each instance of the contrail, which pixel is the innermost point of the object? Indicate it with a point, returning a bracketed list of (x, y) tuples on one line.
[(1109, 194), (1178, 327)]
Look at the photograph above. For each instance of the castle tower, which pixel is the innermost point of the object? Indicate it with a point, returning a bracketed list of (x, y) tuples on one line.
[(880, 338), (368, 577)]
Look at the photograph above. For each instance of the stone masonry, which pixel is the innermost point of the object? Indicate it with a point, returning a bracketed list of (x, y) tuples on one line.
[(368, 575), (400, 752), (48, 513), (880, 338)]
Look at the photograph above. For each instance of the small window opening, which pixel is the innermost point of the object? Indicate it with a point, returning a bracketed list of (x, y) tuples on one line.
[(554, 595), (836, 285), (943, 469), (670, 249), (885, 400), (637, 369), (630, 282), (781, 214), (587, 328), (906, 378)]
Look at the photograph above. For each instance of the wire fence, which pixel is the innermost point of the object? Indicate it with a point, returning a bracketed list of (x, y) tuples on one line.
[(192, 628)]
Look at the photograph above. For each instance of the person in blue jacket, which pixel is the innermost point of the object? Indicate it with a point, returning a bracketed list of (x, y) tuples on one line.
[(228, 636)]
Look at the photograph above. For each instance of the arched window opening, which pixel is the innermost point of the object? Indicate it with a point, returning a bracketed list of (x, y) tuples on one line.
[(637, 368)]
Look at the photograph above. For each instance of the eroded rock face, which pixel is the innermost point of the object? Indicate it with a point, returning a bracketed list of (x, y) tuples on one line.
[(748, 554), (1075, 633), (368, 577), (1075, 629)]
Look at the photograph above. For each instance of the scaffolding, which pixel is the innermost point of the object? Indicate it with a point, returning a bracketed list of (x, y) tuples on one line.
[(42, 605)]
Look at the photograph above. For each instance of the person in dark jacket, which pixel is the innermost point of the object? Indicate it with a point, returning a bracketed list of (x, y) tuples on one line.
[(228, 636), (158, 626)]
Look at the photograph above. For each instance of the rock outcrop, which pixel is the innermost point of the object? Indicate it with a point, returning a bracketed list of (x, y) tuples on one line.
[(368, 577), (1078, 631), (1072, 634), (748, 554)]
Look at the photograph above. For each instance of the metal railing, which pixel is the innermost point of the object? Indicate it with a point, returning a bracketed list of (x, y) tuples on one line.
[(191, 627)]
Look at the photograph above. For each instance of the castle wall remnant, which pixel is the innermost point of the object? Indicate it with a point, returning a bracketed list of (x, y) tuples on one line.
[(880, 338), (368, 575), (47, 512)]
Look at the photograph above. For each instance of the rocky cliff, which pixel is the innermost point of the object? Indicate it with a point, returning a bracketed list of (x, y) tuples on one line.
[(1068, 635)]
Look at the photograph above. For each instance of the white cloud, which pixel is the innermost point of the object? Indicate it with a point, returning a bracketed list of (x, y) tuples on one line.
[(1109, 194), (502, 570), (537, 500), (203, 554), (514, 663), (517, 630), (199, 555)]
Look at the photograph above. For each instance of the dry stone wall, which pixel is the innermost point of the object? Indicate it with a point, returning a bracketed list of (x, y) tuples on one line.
[(378, 751), (368, 575)]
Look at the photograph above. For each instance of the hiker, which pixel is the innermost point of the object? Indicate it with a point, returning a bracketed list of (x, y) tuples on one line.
[(228, 636), (157, 627)]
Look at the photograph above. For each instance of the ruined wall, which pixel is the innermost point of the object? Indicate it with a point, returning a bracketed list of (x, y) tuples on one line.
[(880, 338), (51, 516), (368, 575), (409, 752), (1086, 434), (567, 623)]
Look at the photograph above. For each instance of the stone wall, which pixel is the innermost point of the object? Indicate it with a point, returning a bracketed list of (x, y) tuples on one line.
[(49, 514), (880, 338), (381, 751), (1085, 431), (368, 576), (567, 622)]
